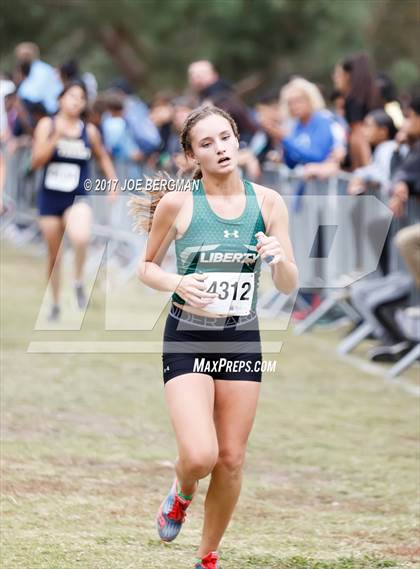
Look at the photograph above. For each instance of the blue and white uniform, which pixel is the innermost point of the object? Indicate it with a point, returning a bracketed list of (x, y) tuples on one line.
[(65, 174)]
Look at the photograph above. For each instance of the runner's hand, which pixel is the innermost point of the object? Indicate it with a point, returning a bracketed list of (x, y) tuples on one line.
[(270, 247), (192, 289)]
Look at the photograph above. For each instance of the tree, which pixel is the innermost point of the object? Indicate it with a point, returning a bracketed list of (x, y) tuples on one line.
[(151, 42)]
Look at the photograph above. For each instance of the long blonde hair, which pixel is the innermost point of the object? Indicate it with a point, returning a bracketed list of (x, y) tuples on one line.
[(142, 208), (309, 90)]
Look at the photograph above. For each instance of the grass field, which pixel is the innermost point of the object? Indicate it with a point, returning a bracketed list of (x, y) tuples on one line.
[(332, 473)]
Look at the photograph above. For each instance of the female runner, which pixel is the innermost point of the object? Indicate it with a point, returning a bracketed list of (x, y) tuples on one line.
[(221, 232), (63, 145)]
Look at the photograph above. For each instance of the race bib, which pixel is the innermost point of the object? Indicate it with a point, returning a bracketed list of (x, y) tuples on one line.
[(62, 177), (235, 293)]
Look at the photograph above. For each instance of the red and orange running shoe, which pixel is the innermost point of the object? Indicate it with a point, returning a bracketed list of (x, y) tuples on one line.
[(172, 512), (210, 561)]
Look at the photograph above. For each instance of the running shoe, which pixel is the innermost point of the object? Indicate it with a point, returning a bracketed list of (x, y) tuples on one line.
[(171, 514), (210, 561), (80, 296), (54, 313)]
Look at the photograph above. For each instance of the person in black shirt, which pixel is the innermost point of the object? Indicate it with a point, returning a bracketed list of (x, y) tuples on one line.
[(353, 77), (209, 87), (406, 180)]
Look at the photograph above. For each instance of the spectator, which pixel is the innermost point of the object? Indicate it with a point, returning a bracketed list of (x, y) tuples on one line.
[(378, 300), (205, 82), (330, 166), (339, 130), (11, 115), (136, 113), (406, 180), (396, 340), (96, 112), (338, 105), (116, 134), (232, 104), (389, 99), (7, 87), (380, 133), (182, 106), (161, 113), (91, 85), (311, 138), (22, 117), (265, 141), (41, 83), (353, 77), (309, 141), (69, 72)]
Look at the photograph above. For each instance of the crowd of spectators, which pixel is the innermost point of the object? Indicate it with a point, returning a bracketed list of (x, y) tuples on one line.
[(292, 124)]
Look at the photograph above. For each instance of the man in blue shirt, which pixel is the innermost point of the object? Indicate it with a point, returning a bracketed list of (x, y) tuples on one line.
[(42, 85)]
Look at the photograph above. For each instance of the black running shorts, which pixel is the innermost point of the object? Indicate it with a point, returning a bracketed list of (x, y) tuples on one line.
[(224, 348)]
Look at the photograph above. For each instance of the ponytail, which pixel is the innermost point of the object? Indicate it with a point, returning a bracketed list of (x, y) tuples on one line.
[(198, 174), (142, 207)]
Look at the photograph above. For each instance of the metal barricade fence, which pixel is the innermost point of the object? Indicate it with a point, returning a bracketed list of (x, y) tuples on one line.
[(20, 185), (112, 223), (363, 224), (337, 239)]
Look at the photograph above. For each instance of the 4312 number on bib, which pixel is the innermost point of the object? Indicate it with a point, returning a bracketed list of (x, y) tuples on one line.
[(235, 292)]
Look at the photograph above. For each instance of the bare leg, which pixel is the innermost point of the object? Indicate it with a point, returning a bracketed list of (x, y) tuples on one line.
[(235, 408), (78, 222), (52, 231), (190, 399)]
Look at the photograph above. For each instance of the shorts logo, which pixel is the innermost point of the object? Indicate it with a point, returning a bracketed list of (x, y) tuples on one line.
[(234, 233), (166, 368)]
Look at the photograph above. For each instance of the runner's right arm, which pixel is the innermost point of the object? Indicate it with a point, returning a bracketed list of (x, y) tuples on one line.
[(163, 231), (44, 142)]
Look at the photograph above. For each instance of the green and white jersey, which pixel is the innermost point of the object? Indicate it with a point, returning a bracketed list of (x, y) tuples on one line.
[(226, 249)]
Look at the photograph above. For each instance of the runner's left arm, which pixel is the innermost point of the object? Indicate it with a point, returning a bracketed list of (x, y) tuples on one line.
[(100, 153), (276, 243)]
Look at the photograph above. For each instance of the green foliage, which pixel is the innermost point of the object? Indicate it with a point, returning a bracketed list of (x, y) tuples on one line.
[(243, 37)]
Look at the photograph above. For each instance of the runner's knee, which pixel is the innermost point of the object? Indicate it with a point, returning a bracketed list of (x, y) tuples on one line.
[(80, 239), (232, 460), (200, 462)]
